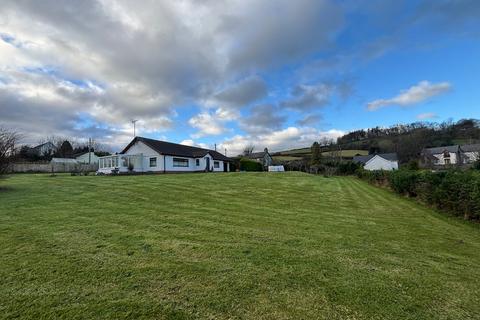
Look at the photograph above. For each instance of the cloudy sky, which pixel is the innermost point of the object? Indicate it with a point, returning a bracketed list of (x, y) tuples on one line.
[(275, 74)]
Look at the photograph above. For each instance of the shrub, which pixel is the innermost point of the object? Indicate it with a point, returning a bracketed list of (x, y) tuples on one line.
[(403, 181), (347, 168), (412, 165), (250, 165), (454, 191), (476, 165)]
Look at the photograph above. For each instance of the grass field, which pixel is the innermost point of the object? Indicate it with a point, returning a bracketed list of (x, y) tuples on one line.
[(229, 246), (345, 153), (298, 153)]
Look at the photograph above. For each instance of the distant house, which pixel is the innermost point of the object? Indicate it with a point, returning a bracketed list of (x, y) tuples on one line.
[(451, 155), (384, 161), (471, 153), (149, 155), (44, 149), (87, 157), (263, 157), (442, 155)]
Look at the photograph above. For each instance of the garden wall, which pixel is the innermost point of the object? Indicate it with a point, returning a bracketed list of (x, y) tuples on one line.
[(39, 167)]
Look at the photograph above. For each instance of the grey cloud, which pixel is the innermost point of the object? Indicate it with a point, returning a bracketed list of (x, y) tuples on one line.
[(242, 93), (262, 118), (306, 97), (273, 34), (154, 57), (310, 120)]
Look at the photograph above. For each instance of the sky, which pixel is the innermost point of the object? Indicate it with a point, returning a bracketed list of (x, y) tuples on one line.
[(279, 74)]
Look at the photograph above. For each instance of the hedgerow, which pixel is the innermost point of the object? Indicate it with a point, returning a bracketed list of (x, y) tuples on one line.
[(250, 165), (454, 191)]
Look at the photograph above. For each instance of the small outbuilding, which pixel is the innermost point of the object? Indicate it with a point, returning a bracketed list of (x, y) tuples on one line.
[(87, 158)]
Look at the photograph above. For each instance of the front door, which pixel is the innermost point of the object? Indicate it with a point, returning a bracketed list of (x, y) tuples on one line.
[(207, 161)]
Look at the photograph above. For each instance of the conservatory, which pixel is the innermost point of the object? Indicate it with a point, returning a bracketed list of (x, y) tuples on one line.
[(119, 163)]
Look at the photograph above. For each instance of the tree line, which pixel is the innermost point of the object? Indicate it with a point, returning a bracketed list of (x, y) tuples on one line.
[(408, 140)]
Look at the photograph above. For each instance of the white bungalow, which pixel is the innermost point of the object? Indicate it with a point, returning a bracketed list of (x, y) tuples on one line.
[(148, 155), (385, 161)]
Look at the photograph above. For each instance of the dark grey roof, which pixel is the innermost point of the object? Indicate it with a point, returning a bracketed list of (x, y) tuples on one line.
[(438, 150), (256, 155), (175, 149), (471, 147), (365, 159)]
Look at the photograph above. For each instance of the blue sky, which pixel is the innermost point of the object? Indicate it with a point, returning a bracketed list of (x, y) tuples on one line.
[(277, 74)]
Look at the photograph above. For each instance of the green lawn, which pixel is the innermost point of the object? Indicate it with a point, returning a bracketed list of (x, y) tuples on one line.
[(229, 246)]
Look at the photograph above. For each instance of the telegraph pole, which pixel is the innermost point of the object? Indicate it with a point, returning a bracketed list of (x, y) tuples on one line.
[(134, 121), (89, 150)]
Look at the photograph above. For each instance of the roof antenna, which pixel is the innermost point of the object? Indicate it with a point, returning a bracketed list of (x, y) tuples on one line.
[(225, 152), (215, 147), (134, 121)]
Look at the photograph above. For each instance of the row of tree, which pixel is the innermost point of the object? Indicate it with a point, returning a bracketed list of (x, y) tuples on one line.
[(60, 147), (408, 140)]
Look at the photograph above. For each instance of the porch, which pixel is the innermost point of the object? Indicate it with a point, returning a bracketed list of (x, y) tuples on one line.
[(120, 163)]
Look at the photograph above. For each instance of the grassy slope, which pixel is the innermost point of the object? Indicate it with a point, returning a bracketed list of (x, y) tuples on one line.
[(263, 246), (298, 153)]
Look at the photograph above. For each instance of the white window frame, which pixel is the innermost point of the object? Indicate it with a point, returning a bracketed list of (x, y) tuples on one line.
[(216, 164), (150, 162), (177, 163), (197, 162)]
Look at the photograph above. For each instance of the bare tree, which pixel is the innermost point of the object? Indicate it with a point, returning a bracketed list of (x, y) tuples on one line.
[(248, 150), (8, 146)]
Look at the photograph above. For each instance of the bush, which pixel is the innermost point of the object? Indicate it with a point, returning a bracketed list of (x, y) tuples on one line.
[(412, 165), (250, 165), (454, 191), (476, 165), (347, 168), (403, 181)]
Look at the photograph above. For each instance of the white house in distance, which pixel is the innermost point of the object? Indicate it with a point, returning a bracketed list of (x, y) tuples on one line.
[(451, 155), (87, 157), (385, 161), (43, 149), (149, 155)]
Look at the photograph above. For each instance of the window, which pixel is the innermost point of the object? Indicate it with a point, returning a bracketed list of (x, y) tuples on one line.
[(216, 164), (197, 162), (179, 162), (125, 162), (447, 160), (153, 162)]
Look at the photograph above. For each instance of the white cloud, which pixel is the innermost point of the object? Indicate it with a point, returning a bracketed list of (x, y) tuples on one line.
[(427, 115), (191, 143), (289, 138), (423, 91), (207, 124)]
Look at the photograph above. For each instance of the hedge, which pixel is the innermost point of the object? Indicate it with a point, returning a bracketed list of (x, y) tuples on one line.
[(454, 191), (250, 165)]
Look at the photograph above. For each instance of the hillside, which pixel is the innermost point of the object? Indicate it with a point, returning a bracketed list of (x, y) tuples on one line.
[(406, 140)]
